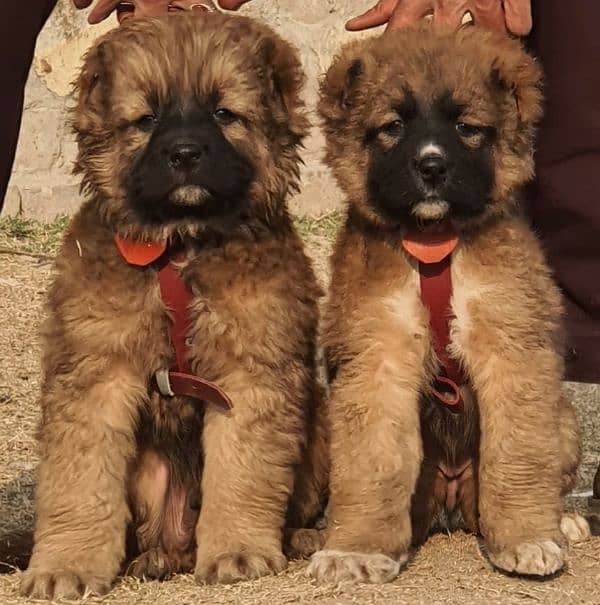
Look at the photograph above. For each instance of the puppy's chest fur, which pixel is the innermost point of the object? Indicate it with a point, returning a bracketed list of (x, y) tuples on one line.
[(233, 288), (502, 294), (447, 436)]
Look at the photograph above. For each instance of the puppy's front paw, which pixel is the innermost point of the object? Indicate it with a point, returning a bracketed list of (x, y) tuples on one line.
[(538, 558), (575, 528), (229, 568), (49, 585), (335, 567)]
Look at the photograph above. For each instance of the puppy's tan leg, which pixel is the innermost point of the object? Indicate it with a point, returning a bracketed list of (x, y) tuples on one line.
[(520, 469), (248, 479), (301, 539), (87, 441), (376, 453), (165, 505), (148, 492), (310, 486), (573, 526), (427, 501), (172, 550), (570, 447)]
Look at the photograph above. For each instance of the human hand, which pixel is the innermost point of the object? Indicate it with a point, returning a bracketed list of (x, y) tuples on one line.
[(511, 15), (149, 8)]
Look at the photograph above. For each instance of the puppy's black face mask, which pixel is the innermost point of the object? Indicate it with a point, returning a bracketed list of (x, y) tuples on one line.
[(188, 169), (429, 164)]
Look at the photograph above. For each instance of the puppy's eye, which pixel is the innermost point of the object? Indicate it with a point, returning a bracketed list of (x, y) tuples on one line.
[(393, 129), (147, 122), (468, 130), (224, 116)]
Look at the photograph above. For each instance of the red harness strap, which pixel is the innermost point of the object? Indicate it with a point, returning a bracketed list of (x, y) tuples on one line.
[(176, 298), (177, 380), (434, 255)]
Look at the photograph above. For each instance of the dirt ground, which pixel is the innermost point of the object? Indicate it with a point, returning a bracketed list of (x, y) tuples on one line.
[(450, 569)]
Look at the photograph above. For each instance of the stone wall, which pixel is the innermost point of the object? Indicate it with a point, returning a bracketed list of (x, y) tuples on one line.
[(42, 185)]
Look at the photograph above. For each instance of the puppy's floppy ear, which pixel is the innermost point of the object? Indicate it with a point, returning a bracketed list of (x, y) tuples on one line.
[(341, 84), (517, 72), (285, 78), (90, 89)]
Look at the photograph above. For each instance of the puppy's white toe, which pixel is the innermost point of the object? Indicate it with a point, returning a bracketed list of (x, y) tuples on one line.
[(575, 528), (335, 567)]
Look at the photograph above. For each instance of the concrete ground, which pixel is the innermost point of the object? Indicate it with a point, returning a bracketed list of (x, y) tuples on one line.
[(450, 569)]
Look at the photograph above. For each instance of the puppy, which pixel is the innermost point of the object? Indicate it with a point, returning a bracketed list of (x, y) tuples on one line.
[(188, 131), (430, 136)]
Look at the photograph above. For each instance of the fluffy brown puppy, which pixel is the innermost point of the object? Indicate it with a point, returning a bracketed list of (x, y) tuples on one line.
[(188, 130), (430, 133)]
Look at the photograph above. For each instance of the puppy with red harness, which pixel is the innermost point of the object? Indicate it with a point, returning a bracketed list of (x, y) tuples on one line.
[(181, 411), (443, 325)]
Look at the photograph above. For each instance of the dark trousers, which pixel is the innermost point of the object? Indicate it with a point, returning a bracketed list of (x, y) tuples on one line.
[(22, 21), (565, 200)]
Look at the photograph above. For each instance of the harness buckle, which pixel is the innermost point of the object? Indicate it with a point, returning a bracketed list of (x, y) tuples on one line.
[(163, 382)]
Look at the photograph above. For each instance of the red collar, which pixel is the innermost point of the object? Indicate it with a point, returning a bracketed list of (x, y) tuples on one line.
[(140, 254), (175, 295), (434, 254), (430, 248)]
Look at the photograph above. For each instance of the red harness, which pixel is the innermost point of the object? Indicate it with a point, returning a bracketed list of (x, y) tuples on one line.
[(177, 380), (434, 254)]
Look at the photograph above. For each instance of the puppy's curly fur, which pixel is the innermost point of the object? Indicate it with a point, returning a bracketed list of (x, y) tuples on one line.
[(470, 98), (114, 453)]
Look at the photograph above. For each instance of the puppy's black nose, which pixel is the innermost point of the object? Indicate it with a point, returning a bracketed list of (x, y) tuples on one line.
[(184, 156), (433, 169)]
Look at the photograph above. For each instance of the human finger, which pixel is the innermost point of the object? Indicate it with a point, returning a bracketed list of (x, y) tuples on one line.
[(102, 9), (517, 14), (410, 12), (376, 15), (231, 5), (192, 5), (450, 13), (489, 14)]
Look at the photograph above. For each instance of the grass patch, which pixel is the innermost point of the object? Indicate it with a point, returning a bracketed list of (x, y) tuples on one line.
[(326, 225), (28, 235)]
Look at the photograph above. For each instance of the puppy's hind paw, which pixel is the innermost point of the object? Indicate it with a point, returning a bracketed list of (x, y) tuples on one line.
[(536, 558), (575, 528), (156, 564), (302, 543), (336, 567)]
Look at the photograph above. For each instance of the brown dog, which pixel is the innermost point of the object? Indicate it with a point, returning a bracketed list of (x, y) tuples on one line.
[(188, 131), (430, 136)]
